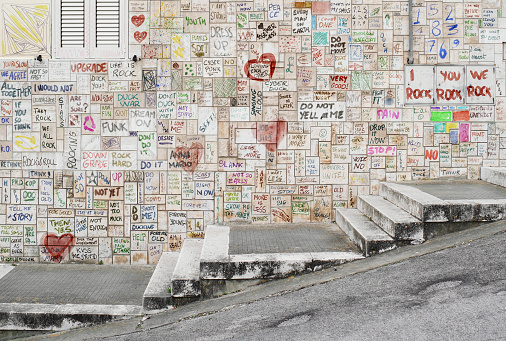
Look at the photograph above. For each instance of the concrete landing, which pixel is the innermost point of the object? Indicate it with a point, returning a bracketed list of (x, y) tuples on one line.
[(75, 284), (273, 251), (288, 238), (460, 189), (63, 296)]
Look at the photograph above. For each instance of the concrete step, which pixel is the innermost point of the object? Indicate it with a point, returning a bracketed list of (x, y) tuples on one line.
[(494, 175), (186, 276), (423, 206), (369, 237), (214, 260), (158, 292), (396, 222)]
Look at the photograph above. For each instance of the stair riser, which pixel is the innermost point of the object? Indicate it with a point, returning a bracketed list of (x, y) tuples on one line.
[(493, 176), (432, 230), (379, 246), (214, 270), (156, 303), (353, 235), (185, 288), (266, 269), (465, 212), (277, 267)]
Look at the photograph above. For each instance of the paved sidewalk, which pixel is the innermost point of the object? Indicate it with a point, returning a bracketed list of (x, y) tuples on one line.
[(288, 238), (451, 189), (75, 284), (63, 296)]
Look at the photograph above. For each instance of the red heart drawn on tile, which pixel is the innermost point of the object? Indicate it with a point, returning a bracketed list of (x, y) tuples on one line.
[(137, 20), (260, 69), (60, 246), (271, 133), (140, 36), (189, 158)]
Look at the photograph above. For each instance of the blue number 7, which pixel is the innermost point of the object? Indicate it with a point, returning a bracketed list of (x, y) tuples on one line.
[(433, 43)]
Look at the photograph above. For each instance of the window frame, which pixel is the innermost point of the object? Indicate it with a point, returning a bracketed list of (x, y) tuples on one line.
[(90, 49)]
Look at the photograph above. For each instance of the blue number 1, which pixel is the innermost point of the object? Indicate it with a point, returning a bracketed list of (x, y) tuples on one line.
[(417, 18)]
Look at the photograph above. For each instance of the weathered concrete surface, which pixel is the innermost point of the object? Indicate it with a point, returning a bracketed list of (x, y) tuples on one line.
[(477, 210), (21, 316), (322, 260), (186, 275), (433, 230), (62, 296), (87, 284), (398, 223), (370, 302), (421, 205), (288, 238), (158, 292), (265, 265), (367, 235), (214, 258), (494, 175), (218, 287), (279, 265)]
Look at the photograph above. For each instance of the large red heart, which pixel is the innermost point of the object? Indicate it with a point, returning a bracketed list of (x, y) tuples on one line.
[(60, 246), (189, 158), (271, 133), (259, 72), (138, 20), (140, 36)]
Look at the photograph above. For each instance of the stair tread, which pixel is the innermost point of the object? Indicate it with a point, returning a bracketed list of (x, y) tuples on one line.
[(415, 194), (162, 276), (389, 210), (367, 228), (188, 264)]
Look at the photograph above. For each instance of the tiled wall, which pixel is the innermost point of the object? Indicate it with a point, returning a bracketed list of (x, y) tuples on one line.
[(239, 111)]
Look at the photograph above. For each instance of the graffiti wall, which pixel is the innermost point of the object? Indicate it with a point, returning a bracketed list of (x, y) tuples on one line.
[(239, 111)]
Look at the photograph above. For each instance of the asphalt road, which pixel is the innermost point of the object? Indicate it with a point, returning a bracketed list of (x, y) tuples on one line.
[(454, 294)]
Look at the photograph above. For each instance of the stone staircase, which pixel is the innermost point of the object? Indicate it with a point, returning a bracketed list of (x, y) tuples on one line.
[(399, 215), (204, 268), (404, 214)]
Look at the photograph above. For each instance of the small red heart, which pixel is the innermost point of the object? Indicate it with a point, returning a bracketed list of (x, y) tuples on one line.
[(138, 20), (266, 58), (60, 246), (271, 133), (189, 157), (140, 36)]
